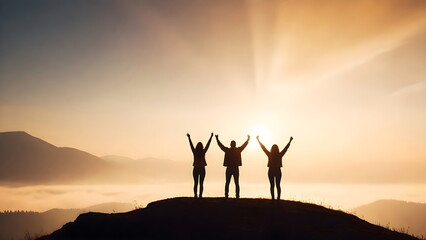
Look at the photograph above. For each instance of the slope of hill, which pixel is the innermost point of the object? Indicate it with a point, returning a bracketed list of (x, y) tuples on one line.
[(396, 214), (25, 159), (15, 225), (218, 218)]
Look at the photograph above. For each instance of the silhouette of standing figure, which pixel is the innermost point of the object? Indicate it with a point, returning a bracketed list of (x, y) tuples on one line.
[(275, 162), (199, 171), (232, 161)]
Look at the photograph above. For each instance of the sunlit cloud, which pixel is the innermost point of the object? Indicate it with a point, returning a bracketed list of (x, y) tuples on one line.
[(310, 41), (416, 88)]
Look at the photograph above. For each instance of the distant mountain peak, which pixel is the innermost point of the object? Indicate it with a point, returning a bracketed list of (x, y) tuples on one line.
[(25, 159), (396, 214), (15, 133), (21, 137)]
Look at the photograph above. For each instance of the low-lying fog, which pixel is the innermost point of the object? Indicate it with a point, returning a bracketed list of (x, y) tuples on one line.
[(343, 196)]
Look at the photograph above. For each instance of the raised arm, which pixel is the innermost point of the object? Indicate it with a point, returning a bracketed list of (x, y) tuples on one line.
[(208, 143), (286, 147), (245, 144), (190, 142), (220, 144), (262, 146)]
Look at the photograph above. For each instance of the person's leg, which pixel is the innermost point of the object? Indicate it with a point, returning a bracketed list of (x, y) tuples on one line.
[(271, 182), (202, 176), (195, 176), (278, 180), (228, 180), (237, 182)]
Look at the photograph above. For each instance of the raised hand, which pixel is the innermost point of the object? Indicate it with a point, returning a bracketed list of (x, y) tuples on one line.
[(188, 135), (248, 136), (211, 135), (257, 137), (291, 138), (217, 135)]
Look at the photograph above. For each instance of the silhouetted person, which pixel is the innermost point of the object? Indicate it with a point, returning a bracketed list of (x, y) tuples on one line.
[(199, 171), (232, 161), (275, 162)]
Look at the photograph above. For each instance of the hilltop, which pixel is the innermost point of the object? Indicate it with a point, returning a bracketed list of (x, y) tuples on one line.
[(219, 218)]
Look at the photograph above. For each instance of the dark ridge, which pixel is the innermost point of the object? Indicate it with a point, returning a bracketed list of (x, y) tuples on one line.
[(14, 133), (22, 137), (219, 218), (26, 160)]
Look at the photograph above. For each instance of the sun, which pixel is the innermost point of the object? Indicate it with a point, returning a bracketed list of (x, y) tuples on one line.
[(263, 132)]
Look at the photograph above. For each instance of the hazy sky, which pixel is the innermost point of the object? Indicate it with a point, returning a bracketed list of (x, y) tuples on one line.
[(346, 79)]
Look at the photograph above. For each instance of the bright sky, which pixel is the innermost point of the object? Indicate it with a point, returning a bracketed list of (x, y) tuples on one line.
[(346, 79)]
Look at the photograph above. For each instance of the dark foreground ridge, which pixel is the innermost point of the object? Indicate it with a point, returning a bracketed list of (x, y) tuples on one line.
[(219, 218)]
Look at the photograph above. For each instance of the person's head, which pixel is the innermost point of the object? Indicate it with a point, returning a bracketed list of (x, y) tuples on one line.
[(199, 146), (233, 144), (275, 149)]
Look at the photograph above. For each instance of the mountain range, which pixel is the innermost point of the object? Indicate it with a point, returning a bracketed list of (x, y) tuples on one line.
[(27, 160), (400, 215)]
